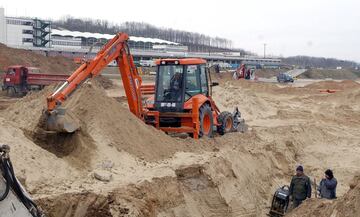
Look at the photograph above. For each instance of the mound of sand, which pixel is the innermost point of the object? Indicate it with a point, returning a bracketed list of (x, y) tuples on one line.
[(103, 121), (331, 73), (10, 56), (335, 85), (346, 206)]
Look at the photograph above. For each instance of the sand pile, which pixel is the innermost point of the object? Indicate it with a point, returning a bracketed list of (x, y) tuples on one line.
[(334, 85), (103, 121), (331, 73), (346, 206), (11, 56)]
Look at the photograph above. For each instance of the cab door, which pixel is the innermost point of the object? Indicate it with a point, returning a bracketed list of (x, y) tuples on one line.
[(169, 96)]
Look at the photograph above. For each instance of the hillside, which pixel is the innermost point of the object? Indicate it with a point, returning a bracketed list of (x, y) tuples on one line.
[(11, 56)]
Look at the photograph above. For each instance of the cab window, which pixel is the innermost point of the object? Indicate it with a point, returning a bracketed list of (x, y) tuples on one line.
[(170, 82), (192, 85)]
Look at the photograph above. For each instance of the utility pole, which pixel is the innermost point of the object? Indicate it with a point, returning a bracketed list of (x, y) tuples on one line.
[(264, 50)]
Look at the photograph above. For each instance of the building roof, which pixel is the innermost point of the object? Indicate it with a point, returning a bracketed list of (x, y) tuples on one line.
[(77, 34)]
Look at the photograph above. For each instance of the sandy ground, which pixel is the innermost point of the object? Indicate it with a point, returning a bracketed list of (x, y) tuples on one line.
[(153, 174)]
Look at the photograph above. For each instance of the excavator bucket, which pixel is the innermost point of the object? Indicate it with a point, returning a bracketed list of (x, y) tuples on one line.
[(61, 121), (239, 123)]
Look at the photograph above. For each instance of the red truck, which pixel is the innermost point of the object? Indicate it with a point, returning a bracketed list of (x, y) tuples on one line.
[(18, 80)]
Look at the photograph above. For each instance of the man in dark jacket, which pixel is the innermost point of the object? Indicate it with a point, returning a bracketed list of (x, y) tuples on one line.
[(300, 187), (327, 187)]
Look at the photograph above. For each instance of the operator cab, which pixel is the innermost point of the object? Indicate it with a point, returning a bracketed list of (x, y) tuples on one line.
[(177, 81)]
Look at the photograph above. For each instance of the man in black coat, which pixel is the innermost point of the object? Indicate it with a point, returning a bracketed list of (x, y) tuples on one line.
[(300, 187)]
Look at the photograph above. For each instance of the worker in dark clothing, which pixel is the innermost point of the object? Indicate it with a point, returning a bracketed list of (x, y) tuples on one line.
[(300, 187), (327, 187), (175, 87), (248, 73), (175, 82)]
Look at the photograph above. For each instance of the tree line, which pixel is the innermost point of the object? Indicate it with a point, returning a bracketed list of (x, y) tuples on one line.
[(194, 41)]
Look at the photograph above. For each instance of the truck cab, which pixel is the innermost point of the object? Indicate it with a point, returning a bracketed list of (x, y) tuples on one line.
[(15, 78), (18, 80)]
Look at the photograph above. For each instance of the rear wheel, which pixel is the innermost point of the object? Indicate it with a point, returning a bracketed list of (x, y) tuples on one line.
[(206, 121), (226, 123)]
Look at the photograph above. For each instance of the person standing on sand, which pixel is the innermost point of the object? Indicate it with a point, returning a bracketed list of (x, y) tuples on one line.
[(300, 187), (327, 187)]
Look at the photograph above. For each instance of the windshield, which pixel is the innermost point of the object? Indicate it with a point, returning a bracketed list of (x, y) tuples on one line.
[(10, 71), (170, 82)]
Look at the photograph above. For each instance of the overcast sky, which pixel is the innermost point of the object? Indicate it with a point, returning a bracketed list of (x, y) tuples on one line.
[(328, 28)]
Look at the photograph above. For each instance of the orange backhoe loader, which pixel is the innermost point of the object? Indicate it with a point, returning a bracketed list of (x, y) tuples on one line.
[(180, 100)]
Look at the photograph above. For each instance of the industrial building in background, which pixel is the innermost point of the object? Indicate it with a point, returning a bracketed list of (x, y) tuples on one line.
[(38, 35)]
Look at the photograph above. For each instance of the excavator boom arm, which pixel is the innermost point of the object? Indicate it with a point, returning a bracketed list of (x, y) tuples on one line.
[(115, 49)]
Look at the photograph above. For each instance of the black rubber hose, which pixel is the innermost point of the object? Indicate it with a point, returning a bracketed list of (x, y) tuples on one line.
[(6, 180), (29, 204)]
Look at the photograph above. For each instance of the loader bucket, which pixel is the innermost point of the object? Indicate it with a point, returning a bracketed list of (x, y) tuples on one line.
[(61, 121), (239, 122)]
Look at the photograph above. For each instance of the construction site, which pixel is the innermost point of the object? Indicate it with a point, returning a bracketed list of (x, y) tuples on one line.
[(116, 165), (103, 136)]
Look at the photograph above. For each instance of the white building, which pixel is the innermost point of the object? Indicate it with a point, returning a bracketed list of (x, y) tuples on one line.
[(2, 26), (170, 47), (24, 32)]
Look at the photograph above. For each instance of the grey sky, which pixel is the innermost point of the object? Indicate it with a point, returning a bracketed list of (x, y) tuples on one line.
[(328, 28)]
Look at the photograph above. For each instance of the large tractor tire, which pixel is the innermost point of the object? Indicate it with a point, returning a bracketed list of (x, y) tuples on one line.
[(206, 121), (226, 121)]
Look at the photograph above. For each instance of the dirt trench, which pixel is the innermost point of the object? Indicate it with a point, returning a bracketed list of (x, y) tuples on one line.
[(232, 181)]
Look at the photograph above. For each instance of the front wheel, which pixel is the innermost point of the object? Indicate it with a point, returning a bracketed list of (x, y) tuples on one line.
[(226, 123), (11, 92), (206, 121)]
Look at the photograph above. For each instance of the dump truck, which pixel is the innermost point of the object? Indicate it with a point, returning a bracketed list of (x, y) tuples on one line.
[(18, 79)]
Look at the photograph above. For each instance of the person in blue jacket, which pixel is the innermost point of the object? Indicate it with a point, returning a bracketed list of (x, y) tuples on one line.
[(327, 187)]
